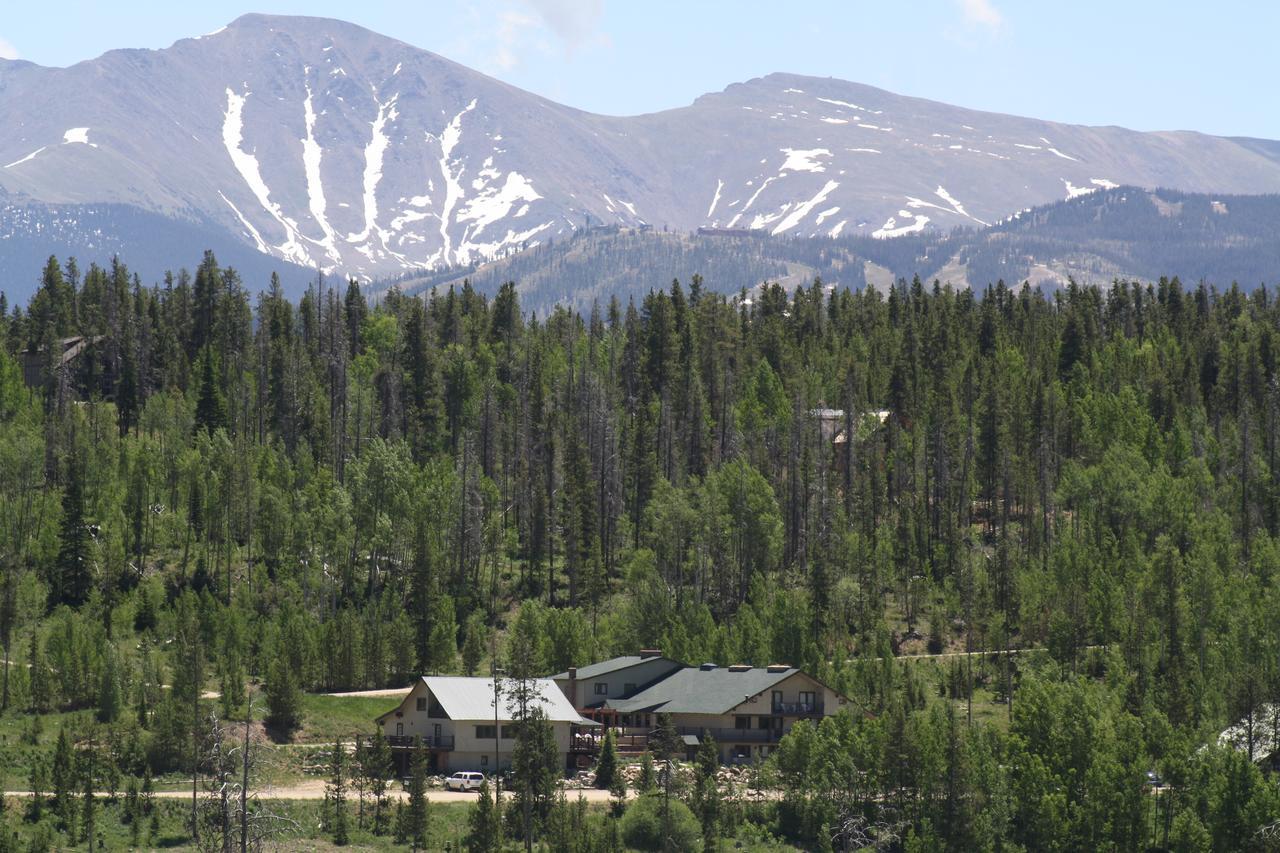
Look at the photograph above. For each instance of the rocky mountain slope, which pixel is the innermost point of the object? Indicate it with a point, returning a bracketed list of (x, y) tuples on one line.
[(324, 145), (1126, 233)]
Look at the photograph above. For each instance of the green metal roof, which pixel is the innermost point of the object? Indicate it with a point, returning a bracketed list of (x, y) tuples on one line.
[(693, 690), (595, 670)]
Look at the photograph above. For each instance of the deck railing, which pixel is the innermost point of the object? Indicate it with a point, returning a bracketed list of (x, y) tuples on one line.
[(430, 742)]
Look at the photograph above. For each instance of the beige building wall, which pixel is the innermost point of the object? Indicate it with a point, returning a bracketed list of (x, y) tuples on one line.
[(756, 709), (469, 752), (583, 692)]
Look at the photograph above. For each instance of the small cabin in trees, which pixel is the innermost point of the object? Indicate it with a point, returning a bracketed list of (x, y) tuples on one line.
[(77, 363)]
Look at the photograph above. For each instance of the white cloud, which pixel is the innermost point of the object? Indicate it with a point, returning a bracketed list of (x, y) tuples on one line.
[(575, 22), (981, 13), (511, 28), (7, 50), (546, 27)]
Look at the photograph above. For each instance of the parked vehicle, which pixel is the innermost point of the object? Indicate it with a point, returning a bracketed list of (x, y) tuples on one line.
[(464, 780)]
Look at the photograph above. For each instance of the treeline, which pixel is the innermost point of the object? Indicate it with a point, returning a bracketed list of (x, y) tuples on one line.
[(361, 492)]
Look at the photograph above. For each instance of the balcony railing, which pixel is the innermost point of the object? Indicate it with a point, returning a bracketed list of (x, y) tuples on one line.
[(735, 735), (798, 709), (409, 742)]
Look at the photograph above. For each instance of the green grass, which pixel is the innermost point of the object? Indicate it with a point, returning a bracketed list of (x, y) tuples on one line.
[(326, 718), (448, 825), (25, 737)]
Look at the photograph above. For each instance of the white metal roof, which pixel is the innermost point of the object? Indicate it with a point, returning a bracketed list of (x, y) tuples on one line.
[(472, 698)]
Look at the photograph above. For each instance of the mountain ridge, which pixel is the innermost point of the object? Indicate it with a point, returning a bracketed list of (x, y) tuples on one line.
[(326, 145)]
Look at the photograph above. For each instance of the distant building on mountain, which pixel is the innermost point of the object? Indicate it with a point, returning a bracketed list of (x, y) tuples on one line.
[(76, 364)]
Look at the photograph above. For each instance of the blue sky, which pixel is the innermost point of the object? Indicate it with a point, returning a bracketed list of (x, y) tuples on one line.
[(1145, 65)]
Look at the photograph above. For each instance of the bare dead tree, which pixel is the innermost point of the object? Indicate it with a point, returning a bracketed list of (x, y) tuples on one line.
[(234, 814), (855, 832)]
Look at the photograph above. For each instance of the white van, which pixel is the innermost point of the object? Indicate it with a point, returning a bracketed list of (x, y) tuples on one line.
[(464, 781)]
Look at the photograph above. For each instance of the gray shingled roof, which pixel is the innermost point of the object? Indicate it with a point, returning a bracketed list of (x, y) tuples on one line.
[(699, 691), (604, 667)]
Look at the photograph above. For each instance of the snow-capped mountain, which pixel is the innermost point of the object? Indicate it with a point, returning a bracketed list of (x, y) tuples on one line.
[(328, 146)]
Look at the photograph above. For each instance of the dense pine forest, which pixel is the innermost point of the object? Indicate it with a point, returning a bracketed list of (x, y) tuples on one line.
[(225, 495)]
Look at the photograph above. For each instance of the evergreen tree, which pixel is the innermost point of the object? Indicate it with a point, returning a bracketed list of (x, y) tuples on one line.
[(211, 404), (607, 765), (378, 769), (473, 643), (335, 795), (109, 699), (63, 778), (484, 832), (39, 782), (706, 794), (73, 575), (284, 700), (417, 815)]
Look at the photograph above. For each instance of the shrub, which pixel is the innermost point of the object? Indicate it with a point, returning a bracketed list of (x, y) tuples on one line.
[(642, 825)]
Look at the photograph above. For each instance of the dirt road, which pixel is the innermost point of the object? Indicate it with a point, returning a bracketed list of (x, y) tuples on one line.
[(314, 790)]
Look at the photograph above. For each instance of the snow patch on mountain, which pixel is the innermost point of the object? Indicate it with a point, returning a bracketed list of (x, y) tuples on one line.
[(247, 165), (800, 211), (1074, 192), (840, 103), (249, 229), (449, 138), (312, 154), (942, 193), (78, 135), (891, 228), (715, 199), (374, 152), (495, 202), (803, 160), (30, 156)]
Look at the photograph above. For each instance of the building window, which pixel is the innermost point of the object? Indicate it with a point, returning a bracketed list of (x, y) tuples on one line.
[(808, 700), (742, 722), (602, 688), (484, 761), (509, 732), (777, 700), (422, 703), (486, 732), (765, 723)]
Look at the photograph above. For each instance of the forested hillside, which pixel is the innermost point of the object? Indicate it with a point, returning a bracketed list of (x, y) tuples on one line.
[(230, 492)]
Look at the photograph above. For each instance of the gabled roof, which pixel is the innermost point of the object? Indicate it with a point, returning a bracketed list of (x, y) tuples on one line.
[(604, 667), (472, 699), (702, 691)]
